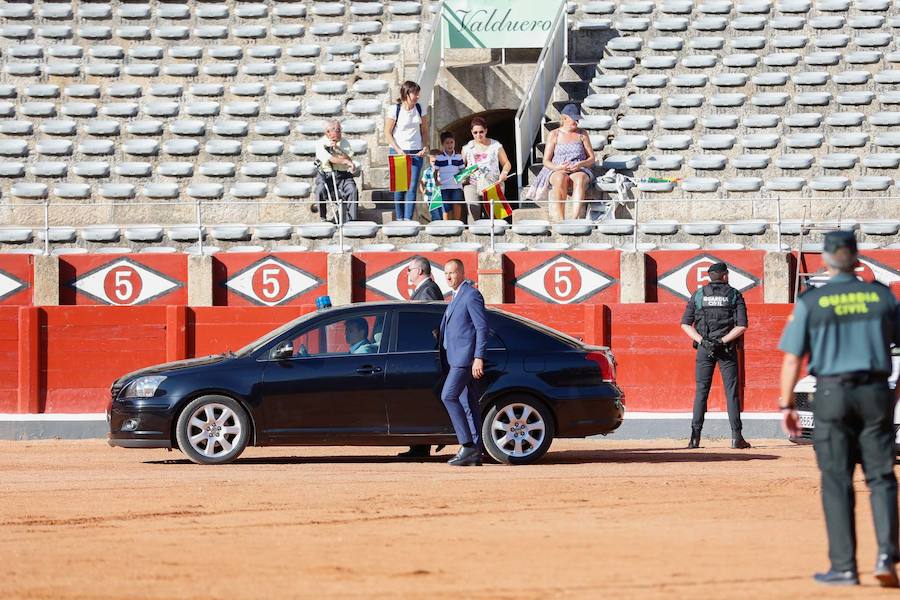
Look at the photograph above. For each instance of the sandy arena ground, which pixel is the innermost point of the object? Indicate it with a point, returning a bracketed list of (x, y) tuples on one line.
[(593, 519)]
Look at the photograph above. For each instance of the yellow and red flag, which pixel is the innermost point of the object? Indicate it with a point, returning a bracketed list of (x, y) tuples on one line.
[(401, 172), (494, 195)]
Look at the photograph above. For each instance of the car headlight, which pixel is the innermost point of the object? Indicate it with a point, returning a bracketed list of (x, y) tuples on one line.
[(144, 387)]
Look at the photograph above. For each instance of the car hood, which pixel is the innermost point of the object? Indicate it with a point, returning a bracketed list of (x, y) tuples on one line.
[(174, 366)]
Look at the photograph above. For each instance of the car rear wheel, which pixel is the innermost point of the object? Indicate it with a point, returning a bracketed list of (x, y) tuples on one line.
[(213, 430), (517, 430)]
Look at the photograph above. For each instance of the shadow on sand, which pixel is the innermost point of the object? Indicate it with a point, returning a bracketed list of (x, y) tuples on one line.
[(564, 457)]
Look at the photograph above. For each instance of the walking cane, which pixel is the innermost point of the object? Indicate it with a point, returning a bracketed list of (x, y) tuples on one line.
[(339, 201)]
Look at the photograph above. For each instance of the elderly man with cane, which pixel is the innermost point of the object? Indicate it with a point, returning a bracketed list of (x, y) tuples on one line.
[(334, 180)]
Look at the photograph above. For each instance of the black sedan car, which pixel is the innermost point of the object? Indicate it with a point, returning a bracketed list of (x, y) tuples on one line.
[(368, 374)]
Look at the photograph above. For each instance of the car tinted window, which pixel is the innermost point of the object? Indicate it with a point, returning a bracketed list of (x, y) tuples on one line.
[(360, 334), (418, 331)]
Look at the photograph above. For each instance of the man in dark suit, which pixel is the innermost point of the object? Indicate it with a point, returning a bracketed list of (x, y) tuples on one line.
[(464, 333), (418, 274)]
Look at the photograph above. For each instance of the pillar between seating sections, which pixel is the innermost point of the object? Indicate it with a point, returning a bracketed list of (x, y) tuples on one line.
[(200, 280), (633, 283), (46, 281), (340, 278), (777, 283), (490, 277)]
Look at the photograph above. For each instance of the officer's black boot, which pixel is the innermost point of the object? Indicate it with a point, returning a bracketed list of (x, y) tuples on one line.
[(886, 572), (738, 442), (695, 439)]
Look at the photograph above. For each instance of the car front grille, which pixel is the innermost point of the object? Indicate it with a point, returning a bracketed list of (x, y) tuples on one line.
[(114, 390)]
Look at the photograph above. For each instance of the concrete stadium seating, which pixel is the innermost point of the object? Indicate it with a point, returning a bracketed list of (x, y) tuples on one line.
[(175, 103)]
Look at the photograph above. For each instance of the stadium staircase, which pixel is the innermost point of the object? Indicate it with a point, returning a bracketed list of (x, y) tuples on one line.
[(120, 121)]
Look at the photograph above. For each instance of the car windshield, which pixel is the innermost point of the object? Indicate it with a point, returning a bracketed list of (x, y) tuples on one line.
[(259, 343)]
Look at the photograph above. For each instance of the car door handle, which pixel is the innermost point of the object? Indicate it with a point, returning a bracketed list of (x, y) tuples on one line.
[(368, 370)]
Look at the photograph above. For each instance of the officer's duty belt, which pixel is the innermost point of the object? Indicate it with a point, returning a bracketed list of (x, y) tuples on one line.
[(857, 378)]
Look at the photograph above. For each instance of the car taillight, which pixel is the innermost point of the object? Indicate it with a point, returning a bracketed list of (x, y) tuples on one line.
[(606, 363)]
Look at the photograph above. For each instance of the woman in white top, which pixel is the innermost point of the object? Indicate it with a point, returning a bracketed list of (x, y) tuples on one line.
[(493, 165), (406, 131)]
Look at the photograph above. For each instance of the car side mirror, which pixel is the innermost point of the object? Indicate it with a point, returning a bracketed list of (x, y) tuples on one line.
[(282, 351)]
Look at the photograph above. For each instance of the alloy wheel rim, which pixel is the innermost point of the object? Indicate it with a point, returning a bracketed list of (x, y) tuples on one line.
[(518, 430), (214, 430)]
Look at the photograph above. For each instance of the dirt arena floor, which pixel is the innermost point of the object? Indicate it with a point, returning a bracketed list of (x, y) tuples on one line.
[(593, 519)]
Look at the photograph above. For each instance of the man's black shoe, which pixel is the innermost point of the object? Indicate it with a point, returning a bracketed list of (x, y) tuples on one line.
[(466, 457), (695, 440), (739, 443), (886, 572), (418, 451), (833, 577)]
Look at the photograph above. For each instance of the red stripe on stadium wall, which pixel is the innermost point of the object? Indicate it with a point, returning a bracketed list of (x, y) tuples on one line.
[(212, 330), (382, 275), (586, 277), (10, 361), (262, 279), (655, 358), (880, 265), (674, 275), (123, 279), (16, 279)]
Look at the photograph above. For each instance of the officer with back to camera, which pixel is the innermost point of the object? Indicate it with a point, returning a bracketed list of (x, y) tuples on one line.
[(847, 327), (715, 318)]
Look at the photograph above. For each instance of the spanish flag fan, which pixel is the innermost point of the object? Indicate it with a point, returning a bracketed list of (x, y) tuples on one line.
[(494, 195), (401, 172)]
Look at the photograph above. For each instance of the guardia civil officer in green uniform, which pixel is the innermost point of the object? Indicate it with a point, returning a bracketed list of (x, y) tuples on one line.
[(715, 318), (847, 327)]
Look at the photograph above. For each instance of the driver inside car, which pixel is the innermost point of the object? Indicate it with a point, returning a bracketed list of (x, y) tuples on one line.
[(356, 333)]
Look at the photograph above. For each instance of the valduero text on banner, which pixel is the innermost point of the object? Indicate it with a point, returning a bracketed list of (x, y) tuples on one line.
[(498, 23)]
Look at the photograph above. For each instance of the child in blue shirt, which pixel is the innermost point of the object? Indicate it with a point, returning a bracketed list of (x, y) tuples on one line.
[(449, 163), (430, 186)]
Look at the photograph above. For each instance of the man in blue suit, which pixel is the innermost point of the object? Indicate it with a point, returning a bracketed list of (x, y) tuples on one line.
[(464, 333)]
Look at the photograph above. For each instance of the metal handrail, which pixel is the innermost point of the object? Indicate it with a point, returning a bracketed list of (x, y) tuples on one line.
[(528, 121), (428, 72), (46, 206)]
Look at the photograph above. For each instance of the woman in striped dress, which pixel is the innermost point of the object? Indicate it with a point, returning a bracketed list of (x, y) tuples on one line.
[(568, 159)]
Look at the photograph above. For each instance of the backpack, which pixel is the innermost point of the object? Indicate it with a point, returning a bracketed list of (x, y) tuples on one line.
[(397, 114)]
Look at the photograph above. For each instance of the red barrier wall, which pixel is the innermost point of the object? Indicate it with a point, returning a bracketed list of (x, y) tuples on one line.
[(214, 330), (561, 277), (9, 360), (382, 275), (16, 279), (674, 275), (63, 359), (84, 349), (262, 279), (656, 360), (123, 280)]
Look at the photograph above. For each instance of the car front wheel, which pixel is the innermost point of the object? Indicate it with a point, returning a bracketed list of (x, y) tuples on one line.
[(517, 430), (213, 430)]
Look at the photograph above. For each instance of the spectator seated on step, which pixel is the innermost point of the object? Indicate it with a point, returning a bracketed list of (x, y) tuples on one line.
[(568, 160), (334, 180)]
